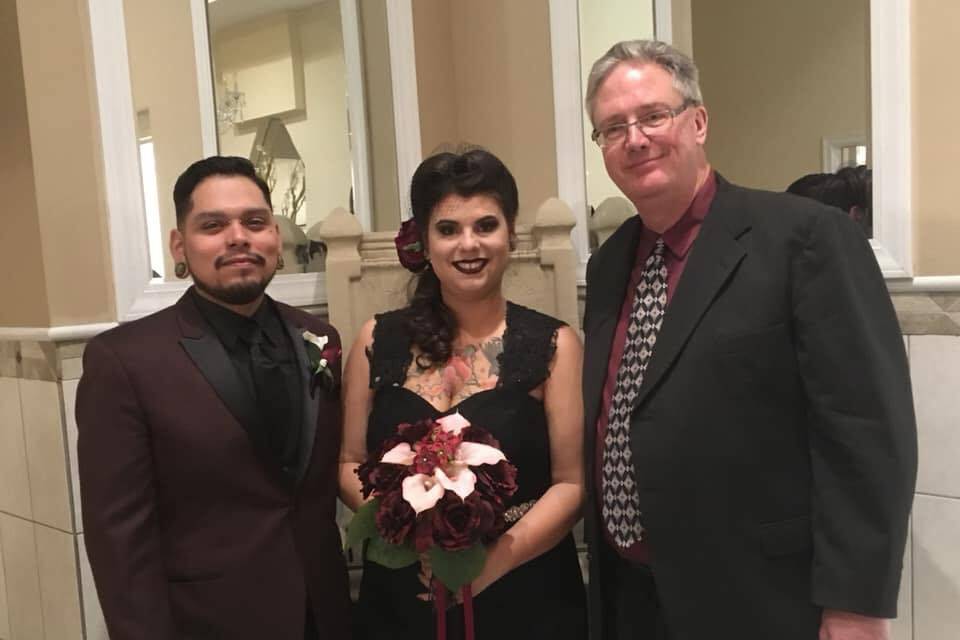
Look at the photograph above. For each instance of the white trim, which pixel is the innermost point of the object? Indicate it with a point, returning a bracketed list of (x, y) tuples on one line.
[(891, 140), (127, 221), (926, 284), (357, 113), (67, 333), (568, 117), (295, 289), (208, 109), (406, 106), (663, 20)]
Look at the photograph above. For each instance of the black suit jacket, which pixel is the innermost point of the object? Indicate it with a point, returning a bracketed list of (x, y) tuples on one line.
[(191, 529), (773, 438)]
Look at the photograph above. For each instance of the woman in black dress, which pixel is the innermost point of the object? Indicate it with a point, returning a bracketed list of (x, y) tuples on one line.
[(460, 346)]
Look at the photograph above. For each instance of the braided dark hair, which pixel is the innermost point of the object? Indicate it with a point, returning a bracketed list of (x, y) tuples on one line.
[(429, 321)]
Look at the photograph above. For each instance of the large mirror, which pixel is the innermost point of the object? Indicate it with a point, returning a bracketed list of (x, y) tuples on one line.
[(280, 83), (280, 97), (787, 86)]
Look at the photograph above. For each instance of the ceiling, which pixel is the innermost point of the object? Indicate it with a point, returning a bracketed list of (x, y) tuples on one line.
[(223, 13)]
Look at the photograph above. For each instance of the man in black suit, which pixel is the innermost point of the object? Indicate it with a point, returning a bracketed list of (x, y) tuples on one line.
[(751, 441), (209, 435)]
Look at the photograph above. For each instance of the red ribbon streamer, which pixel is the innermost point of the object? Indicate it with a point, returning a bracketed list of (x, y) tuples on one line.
[(467, 612), (440, 604)]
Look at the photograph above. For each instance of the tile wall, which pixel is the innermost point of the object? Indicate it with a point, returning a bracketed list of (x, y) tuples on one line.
[(47, 593)]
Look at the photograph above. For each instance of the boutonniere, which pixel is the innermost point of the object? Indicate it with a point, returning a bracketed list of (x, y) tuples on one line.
[(321, 359)]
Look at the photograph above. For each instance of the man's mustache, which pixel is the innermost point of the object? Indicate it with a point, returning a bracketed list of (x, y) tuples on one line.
[(254, 257)]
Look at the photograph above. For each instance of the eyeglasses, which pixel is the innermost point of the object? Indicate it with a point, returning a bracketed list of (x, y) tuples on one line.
[(651, 124)]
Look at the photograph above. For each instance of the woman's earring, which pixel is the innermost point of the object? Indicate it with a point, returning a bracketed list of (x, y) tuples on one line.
[(280, 263), (180, 270)]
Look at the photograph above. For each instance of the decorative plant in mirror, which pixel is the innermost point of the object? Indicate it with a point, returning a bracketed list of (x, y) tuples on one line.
[(296, 193), (231, 104), (278, 162)]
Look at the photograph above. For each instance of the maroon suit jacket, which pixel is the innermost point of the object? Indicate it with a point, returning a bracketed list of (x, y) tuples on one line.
[(191, 533)]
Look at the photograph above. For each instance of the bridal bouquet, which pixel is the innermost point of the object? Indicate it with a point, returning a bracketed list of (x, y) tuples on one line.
[(439, 488)]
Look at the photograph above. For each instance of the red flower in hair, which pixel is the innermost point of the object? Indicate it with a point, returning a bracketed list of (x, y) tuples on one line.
[(410, 246)]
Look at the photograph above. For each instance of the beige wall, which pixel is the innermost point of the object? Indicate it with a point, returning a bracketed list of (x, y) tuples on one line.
[(439, 106), (62, 122), (501, 90), (936, 45), (777, 76), (164, 81), (21, 255)]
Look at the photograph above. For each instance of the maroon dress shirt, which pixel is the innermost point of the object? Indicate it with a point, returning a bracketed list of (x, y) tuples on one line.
[(677, 240)]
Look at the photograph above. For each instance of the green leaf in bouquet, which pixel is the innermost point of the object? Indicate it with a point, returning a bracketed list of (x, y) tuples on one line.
[(363, 525), (391, 556), (457, 568)]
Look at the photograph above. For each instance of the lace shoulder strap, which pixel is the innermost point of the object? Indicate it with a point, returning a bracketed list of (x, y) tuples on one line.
[(390, 354), (529, 343)]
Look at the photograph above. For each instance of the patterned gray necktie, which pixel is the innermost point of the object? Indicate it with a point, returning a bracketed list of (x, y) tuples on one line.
[(621, 503)]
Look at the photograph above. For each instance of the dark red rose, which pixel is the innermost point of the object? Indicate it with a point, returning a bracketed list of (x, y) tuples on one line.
[(458, 524), (395, 518), (411, 433), (481, 436), (499, 525), (331, 354), (410, 246), (496, 481), (425, 461), (381, 477)]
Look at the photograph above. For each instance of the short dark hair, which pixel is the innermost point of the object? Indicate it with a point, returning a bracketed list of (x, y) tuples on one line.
[(213, 166), (847, 188)]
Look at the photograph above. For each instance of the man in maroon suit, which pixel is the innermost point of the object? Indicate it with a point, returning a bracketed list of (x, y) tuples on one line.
[(208, 441)]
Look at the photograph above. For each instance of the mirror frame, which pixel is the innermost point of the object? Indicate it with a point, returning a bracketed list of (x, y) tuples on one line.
[(891, 135), (135, 293)]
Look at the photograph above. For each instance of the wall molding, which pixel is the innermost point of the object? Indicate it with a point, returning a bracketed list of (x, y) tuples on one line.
[(205, 84), (291, 292), (66, 333), (406, 103), (357, 110), (891, 136), (925, 284), (663, 20), (568, 113)]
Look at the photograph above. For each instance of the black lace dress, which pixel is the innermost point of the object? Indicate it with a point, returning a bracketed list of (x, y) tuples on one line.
[(543, 598)]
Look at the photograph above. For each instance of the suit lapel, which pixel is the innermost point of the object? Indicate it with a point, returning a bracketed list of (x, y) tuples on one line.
[(713, 259), (206, 351), (310, 401)]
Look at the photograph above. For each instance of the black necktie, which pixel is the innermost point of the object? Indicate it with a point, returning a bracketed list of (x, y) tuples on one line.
[(272, 379)]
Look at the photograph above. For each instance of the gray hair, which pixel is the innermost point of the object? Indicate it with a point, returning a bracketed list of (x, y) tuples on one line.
[(680, 66)]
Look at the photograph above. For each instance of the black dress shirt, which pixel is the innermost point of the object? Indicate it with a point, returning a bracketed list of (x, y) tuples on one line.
[(277, 388)]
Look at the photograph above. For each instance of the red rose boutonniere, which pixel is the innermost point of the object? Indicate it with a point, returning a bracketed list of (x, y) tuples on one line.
[(321, 358)]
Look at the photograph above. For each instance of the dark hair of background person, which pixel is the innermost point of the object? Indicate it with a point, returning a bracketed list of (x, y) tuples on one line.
[(849, 189), (470, 173), (212, 166)]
